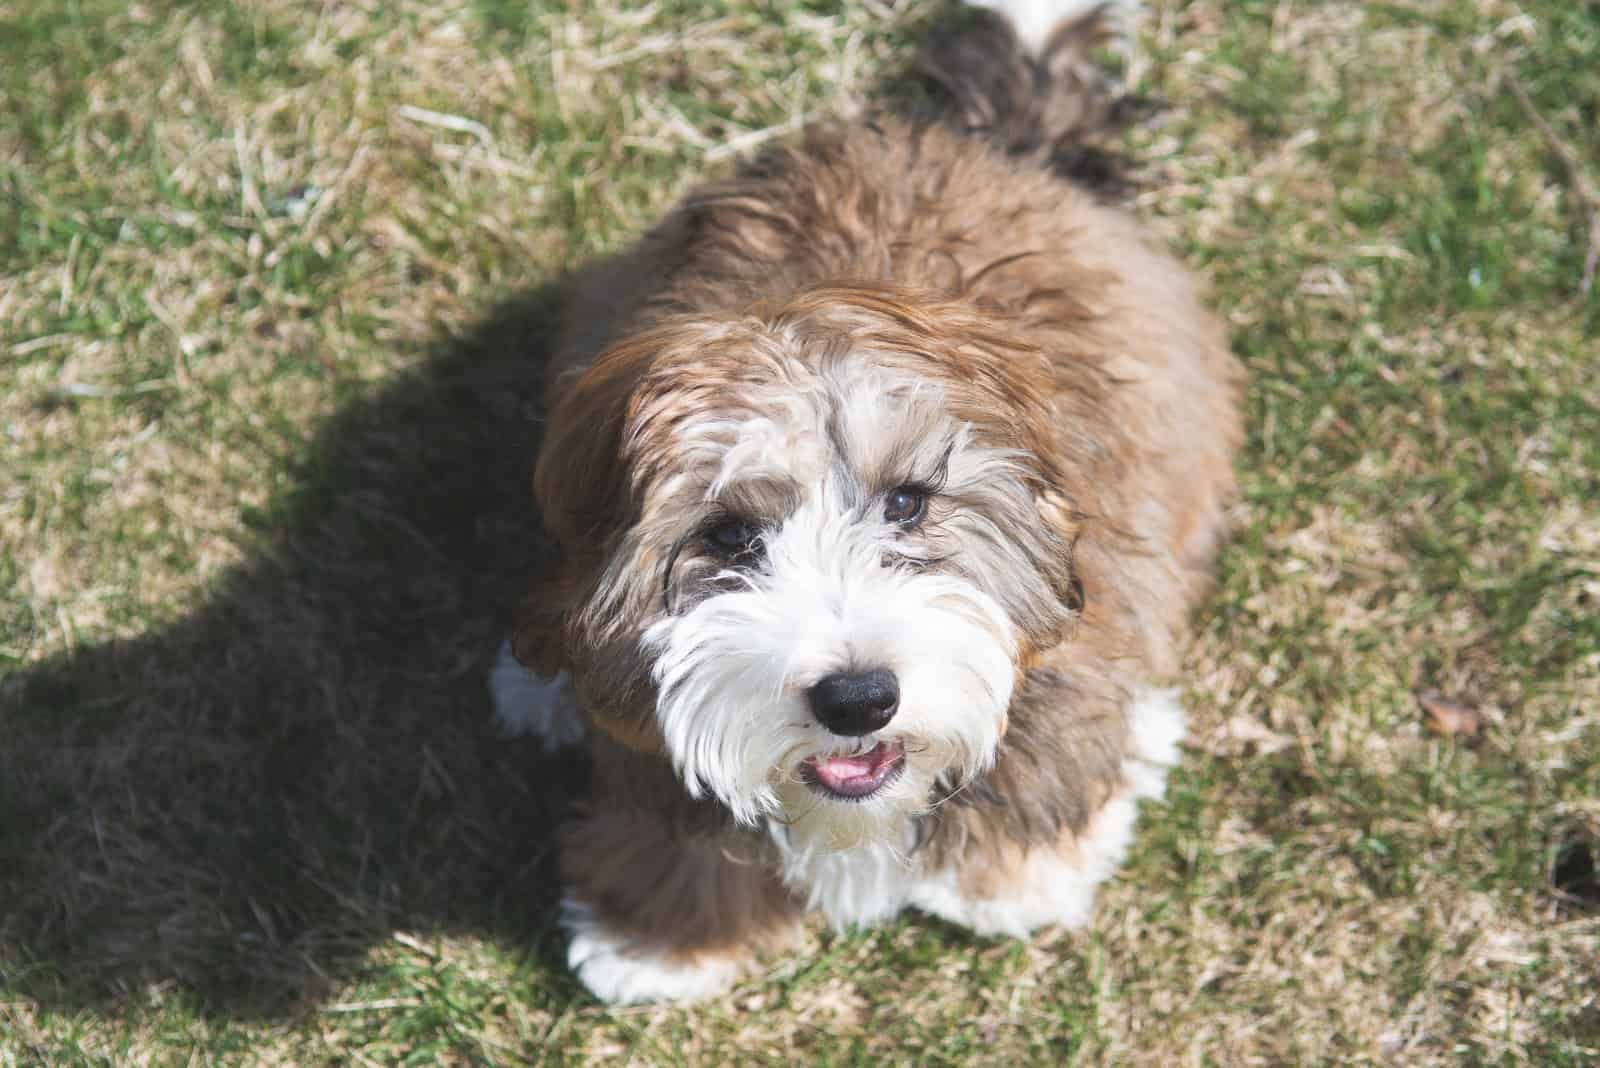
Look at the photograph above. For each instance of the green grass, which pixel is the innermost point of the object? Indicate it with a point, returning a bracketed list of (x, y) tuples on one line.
[(266, 331)]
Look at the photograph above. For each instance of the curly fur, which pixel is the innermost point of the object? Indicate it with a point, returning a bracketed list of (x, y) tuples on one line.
[(931, 302)]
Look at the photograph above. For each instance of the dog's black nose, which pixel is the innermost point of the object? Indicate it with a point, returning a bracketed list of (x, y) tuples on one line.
[(855, 702)]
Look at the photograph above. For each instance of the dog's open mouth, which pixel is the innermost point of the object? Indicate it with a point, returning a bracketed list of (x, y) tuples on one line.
[(856, 776)]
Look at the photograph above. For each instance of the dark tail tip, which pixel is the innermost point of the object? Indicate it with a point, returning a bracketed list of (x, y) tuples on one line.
[(1060, 107)]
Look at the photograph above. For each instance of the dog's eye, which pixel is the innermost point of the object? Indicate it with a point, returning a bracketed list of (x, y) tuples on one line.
[(904, 505), (733, 537)]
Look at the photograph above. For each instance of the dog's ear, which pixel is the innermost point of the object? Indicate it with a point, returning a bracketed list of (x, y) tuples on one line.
[(580, 487), (592, 588), (1035, 403), (1063, 519), (539, 635)]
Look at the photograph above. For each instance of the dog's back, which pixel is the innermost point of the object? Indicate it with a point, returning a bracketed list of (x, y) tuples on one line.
[(903, 196)]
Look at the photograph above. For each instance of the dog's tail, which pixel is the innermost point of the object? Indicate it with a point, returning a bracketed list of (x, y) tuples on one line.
[(1022, 74)]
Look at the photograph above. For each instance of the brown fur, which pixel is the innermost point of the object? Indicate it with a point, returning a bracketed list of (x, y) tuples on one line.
[(1054, 327), (671, 874)]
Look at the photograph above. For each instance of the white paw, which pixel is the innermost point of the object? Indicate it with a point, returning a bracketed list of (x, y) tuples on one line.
[(1156, 718), (618, 976), (524, 703), (1049, 890)]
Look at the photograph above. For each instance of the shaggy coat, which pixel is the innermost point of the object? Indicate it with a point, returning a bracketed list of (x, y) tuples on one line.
[(929, 307)]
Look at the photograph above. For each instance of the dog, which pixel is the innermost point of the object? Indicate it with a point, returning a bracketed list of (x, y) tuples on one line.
[(882, 478)]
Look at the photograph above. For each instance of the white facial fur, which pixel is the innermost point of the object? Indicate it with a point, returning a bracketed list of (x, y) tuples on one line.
[(838, 588), (733, 672)]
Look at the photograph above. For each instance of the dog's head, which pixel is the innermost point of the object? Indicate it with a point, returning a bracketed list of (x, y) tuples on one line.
[(807, 552)]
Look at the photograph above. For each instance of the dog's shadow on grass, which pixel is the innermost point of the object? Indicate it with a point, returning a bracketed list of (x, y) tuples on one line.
[(243, 802)]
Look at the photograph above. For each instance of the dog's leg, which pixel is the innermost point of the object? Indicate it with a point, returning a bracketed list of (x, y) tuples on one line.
[(526, 704), (660, 912), (619, 972), (1056, 885)]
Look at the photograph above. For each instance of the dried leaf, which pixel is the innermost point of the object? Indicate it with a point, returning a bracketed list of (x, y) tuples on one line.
[(1449, 717)]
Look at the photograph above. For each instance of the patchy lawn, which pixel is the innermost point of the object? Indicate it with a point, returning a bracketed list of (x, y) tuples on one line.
[(273, 280)]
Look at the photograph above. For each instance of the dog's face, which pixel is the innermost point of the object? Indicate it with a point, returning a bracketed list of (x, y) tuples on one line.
[(807, 553)]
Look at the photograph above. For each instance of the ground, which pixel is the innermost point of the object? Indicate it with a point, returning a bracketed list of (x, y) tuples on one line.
[(271, 278)]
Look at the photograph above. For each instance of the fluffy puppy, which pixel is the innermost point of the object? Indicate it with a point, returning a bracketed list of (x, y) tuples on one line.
[(884, 475)]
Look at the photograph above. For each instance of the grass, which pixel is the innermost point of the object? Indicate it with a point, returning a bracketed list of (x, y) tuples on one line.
[(272, 280)]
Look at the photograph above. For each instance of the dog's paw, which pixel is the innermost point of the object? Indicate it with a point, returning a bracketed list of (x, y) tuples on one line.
[(525, 704), (616, 973)]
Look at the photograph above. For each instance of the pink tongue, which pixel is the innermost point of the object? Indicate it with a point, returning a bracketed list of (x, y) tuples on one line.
[(842, 771), (836, 771)]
